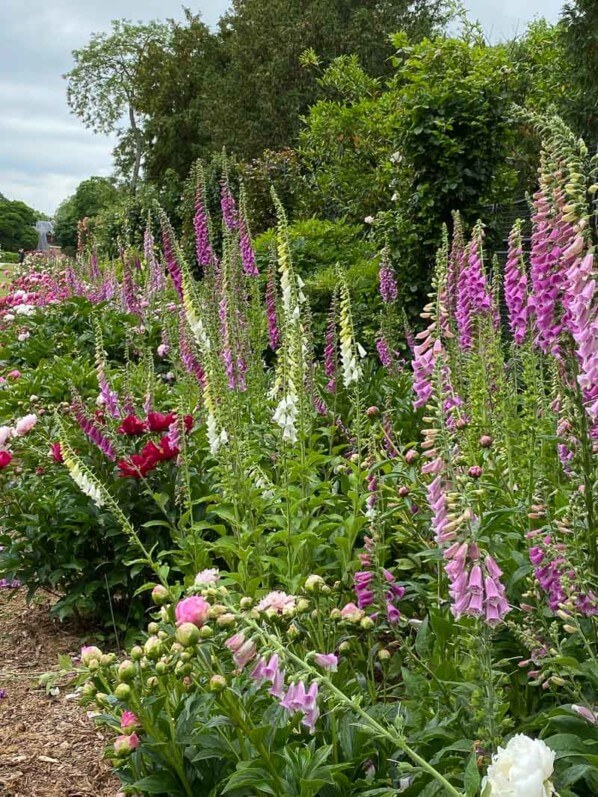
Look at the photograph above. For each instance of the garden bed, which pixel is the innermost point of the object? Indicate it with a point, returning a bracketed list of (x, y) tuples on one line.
[(49, 748)]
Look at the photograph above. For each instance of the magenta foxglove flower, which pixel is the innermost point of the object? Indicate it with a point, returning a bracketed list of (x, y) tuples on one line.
[(516, 297), (229, 208), (203, 248), (384, 352), (170, 256), (327, 661), (388, 285)]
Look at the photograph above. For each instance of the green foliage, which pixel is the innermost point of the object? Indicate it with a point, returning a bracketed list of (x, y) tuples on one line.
[(91, 196), (17, 225), (317, 248), (579, 36), (346, 144), (455, 130), (9, 257)]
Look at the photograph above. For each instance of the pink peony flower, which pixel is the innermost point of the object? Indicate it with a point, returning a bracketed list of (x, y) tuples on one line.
[(24, 425), (15, 374), (351, 613), (128, 720), (278, 602), (192, 610), (209, 576)]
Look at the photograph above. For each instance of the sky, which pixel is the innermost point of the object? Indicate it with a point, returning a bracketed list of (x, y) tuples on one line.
[(44, 150)]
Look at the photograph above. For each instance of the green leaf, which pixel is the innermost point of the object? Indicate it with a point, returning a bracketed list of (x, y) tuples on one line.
[(472, 779)]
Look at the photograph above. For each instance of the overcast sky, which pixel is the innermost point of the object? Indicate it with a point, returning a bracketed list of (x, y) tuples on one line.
[(44, 151)]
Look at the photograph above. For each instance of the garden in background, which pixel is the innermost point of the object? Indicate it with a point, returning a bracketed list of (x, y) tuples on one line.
[(305, 443)]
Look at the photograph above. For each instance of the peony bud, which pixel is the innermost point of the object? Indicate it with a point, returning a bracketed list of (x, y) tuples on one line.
[(122, 692), (187, 634), (217, 683), (124, 745), (126, 671), (160, 595)]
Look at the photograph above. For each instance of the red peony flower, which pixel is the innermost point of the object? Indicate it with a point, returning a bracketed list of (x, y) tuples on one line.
[(5, 459), (158, 422), (131, 425), (188, 422)]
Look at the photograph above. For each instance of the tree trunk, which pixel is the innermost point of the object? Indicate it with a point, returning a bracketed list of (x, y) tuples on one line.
[(138, 141)]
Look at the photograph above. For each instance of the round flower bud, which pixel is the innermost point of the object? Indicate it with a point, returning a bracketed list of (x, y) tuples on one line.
[(403, 491), (126, 671), (160, 595), (371, 412), (475, 471), (94, 665), (314, 583), (246, 603), (367, 623), (89, 689), (153, 629), (161, 667), (293, 632), (486, 441), (122, 692), (164, 614), (176, 647), (226, 620), (152, 682), (90, 653), (187, 634), (217, 683), (344, 646), (302, 605), (124, 745), (384, 655), (206, 631), (182, 668), (153, 648)]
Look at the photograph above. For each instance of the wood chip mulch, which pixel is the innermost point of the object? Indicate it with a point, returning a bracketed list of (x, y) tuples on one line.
[(48, 745)]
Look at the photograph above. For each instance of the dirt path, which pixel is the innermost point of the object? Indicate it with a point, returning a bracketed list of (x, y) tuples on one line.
[(48, 746)]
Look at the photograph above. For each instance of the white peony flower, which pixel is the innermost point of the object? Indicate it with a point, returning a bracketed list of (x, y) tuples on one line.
[(6, 432), (521, 769)]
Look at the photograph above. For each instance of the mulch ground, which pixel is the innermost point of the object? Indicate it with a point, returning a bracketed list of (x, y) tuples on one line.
[(48, 745)]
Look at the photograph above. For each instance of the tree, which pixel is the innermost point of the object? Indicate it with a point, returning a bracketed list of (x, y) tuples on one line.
[(265, 91), (91, 197), (103, 86), (174, 82), (579, 35), (17, 228)]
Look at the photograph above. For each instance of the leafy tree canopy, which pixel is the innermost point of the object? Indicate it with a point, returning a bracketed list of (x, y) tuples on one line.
[(103, 86), (90, 197), (17, 222)]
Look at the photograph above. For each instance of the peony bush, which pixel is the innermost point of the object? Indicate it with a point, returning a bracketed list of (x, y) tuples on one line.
[(368, 576)]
